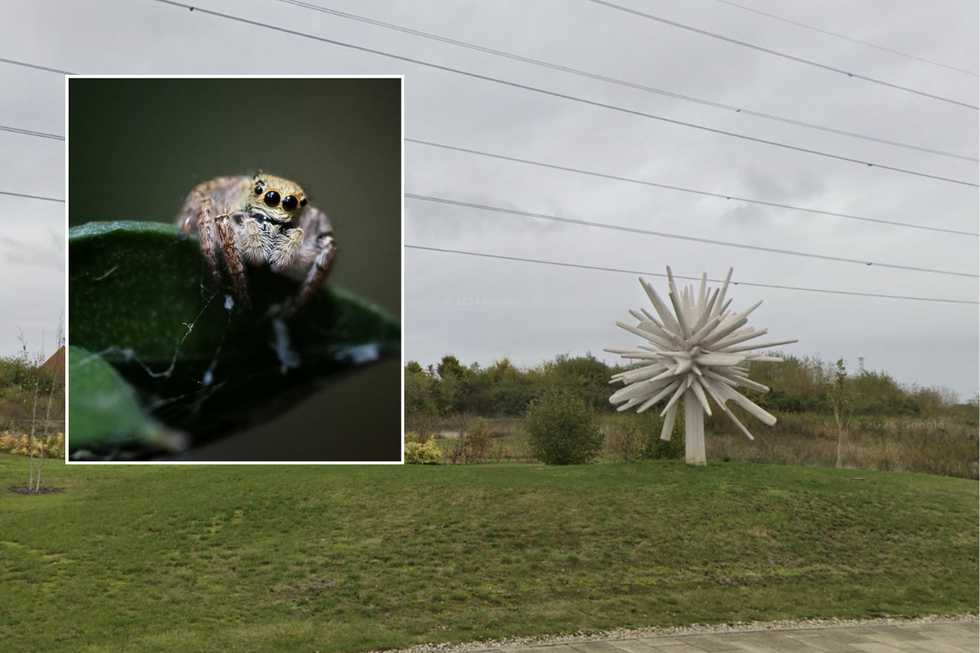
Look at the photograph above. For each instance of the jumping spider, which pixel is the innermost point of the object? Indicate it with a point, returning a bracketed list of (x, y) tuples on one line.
[(260, 219)]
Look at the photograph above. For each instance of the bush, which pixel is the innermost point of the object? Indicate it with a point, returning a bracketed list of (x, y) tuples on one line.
[(658, 449), (9, 442), (51, 446), (478, 439), (561, 429), (639, 438), (421, 453), (421, 434), (473, 446), (628, 441)]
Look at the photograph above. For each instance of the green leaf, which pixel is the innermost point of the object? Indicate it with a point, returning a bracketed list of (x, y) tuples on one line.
[(106, 413), (143, 299)]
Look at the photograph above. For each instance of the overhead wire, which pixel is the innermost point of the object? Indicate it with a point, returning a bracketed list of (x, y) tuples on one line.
[(725, 196), (848, 38), (662, 234), (573, 98), (14, 62), (620, 82), (28, 132), (656, 274), (32, 197), (783, 55)]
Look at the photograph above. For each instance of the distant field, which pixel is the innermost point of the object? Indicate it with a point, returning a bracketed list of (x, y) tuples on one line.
[(938, 445), (310, 558)]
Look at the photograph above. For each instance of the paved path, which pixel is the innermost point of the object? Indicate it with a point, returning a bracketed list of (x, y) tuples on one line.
[(955, 637)]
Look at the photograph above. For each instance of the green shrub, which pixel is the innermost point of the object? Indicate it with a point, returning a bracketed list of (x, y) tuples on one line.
[(658, 449), (421, 453), (421, 433), (561, 429), (639, 438), (628, 441), (478, 440)]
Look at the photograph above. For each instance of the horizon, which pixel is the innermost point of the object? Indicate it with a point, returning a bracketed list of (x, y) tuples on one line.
[(854, 371)]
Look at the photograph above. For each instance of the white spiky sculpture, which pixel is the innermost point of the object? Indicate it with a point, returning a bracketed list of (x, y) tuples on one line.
[(693, 356)]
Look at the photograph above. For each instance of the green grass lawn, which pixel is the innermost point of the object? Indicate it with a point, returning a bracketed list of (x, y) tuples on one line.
[(311, 558)]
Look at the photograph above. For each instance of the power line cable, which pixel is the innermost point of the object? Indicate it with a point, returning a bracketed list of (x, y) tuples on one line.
[(573, 98), (661, 234), (35, 66), (848, 38), (32, 197), (613, 80), (782, 54), (689, 190), (28, 132), (656, 274)]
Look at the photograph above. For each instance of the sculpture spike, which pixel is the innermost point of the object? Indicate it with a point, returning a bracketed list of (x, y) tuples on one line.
[(764, 345), (735, 339), (666, 318), (706, 312), (679, 310), (673, 400), (650, 317), (657, 397), (724, 289), (669, 420), (702, 296), (699, 393)]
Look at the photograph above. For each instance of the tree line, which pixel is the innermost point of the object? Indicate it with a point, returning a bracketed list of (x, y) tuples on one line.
[(797, 385)]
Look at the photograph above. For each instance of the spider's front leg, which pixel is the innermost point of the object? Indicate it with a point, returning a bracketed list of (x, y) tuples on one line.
[(202, 206), (202, 210), (193, 207), (233, 258), (253, 241), (326, 251), (286, 248)]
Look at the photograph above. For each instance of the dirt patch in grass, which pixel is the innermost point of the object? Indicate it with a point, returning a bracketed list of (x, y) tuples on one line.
[(45, 489)]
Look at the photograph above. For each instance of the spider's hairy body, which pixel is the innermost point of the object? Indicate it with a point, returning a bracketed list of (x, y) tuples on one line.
[(260, 220)]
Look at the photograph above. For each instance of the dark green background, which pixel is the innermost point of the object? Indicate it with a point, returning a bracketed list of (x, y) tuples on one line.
[(136, 147)]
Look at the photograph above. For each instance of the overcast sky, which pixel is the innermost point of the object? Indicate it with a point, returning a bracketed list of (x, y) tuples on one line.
[(483, 309)]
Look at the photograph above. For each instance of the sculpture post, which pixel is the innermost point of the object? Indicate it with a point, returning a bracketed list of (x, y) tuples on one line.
[(693, 430)]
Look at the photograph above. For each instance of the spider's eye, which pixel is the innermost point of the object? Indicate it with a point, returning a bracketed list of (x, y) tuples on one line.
[(290, 203), (258, 190), (272, 198), (302, 202)]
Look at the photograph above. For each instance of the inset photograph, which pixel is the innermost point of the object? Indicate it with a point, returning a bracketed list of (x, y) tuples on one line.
[(234, 269)]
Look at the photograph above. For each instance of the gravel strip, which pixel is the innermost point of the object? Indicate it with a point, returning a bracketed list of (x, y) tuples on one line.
[(694, 629)]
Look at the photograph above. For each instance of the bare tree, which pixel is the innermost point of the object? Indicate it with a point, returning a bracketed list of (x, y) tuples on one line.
[(31, 440), (38, 445), (840, 402), (45, 437), (27, 363)]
